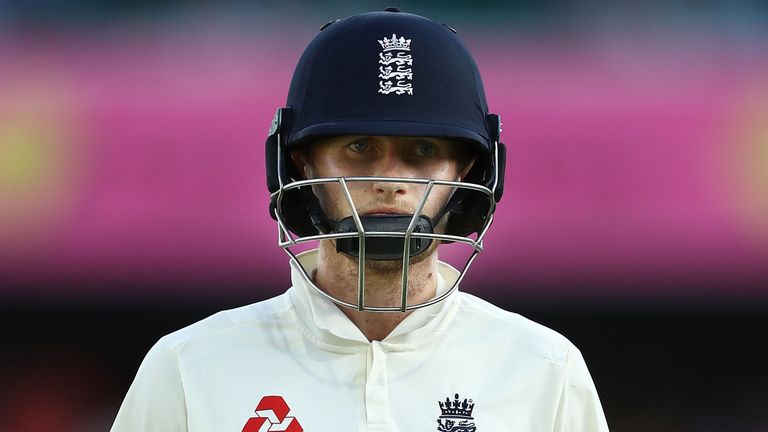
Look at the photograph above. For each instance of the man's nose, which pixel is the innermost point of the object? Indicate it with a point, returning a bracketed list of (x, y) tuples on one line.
[(390, 188), (391, 165)]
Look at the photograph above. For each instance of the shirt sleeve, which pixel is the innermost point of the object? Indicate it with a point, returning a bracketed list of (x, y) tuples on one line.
[(155, 401), (579, 409)]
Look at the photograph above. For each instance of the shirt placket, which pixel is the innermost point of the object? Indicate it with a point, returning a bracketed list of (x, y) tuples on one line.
[(376, 400)]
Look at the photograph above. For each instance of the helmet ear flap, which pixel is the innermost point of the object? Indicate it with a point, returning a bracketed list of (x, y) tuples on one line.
[(301, 204), (470, 209), (501, 165), (300, 212), (497, 158), (468, 212), (275, 150)]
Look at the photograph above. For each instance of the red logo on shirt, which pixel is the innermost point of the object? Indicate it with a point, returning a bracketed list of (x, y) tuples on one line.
[(272, 415)]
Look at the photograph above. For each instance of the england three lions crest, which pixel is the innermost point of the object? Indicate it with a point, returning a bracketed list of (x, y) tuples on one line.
[(456, 415), (395, 62)]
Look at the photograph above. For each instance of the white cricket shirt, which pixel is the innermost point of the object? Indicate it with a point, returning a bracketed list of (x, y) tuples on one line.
[(297, 362)]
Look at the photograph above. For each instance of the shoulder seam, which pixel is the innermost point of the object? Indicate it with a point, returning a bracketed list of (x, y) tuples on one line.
[(232, 324)]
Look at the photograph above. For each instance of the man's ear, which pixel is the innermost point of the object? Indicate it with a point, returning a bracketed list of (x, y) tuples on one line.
[(300, 161), (466, 166)]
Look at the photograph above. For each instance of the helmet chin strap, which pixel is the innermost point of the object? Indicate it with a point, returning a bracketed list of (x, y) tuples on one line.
[(384, 248), (376, 248)]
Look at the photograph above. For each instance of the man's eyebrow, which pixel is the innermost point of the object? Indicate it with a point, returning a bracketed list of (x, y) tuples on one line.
[(352, 138), (422, 140)]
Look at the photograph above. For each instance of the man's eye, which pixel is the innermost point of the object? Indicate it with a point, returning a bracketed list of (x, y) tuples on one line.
[(359, 146), (425, 149)]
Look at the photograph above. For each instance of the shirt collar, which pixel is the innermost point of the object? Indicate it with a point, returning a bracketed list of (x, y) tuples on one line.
[(326, 323)]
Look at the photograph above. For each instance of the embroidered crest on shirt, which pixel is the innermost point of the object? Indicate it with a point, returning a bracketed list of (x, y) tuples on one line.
[(272, 415), (456, 415), (395, 63)]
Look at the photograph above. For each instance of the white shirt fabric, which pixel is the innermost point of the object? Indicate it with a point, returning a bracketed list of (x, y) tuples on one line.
[(210, 376)]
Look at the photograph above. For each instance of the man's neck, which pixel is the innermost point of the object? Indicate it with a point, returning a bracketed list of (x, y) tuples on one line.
[(337, 275)]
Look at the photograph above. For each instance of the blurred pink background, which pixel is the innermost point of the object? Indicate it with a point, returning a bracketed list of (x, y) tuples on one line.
[(133, 198), (638, 157)]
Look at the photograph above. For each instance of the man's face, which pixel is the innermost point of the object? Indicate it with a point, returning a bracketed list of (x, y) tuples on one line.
[(383, 156)]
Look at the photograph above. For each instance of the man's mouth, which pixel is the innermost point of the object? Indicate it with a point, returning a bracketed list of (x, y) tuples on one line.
[(384, 220), (384, 212)]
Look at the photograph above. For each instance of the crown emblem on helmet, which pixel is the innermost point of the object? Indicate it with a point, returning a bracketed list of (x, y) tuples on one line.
[(456, 407), (395, 67), (402, 43)]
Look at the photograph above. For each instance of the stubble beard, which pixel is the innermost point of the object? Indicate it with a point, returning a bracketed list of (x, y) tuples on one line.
[(383, 277)]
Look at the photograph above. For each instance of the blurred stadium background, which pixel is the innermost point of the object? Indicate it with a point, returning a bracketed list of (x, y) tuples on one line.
[(635, 218)]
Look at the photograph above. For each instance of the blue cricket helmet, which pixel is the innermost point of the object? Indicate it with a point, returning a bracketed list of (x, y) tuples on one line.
[(346, 82), (385, 73)]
